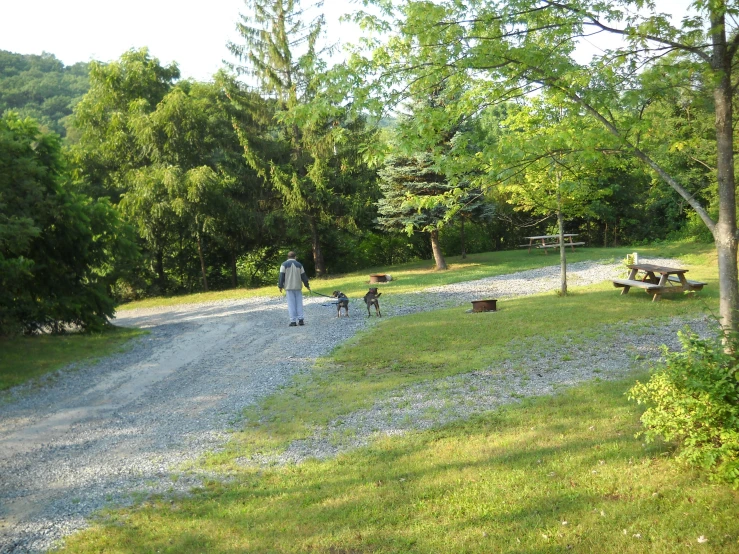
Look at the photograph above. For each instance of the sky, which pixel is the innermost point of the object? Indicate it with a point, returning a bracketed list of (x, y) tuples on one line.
[(194, 34)]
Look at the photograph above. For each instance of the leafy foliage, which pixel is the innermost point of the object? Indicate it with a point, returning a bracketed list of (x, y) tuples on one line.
[(167, 154), (490, 53), (406, 177), (693, 401), (60, 252), (313, 162), (41, 87)]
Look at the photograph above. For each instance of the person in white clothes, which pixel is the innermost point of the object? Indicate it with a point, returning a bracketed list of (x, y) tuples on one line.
[(292, 278)]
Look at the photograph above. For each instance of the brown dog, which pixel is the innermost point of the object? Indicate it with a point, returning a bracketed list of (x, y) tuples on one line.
[(342, 302), (371, 299)]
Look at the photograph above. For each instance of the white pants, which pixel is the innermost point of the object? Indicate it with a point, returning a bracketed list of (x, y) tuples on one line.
[(295, 304)]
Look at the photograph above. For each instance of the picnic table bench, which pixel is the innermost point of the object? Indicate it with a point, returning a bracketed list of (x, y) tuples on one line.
[(544, 242), (670, 280)]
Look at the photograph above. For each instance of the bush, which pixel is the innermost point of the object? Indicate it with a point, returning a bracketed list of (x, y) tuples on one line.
[(60, 252), (260, 266), (693, 399)]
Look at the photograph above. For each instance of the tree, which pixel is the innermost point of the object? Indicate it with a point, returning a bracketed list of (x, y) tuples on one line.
[(553, 157), (514, 48), (475, 209), (60, 252), (406, 176), (314, 148), (169, 154), (121, 93), (41, 87)]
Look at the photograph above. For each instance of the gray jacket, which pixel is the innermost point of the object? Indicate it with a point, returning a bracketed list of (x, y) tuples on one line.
[(292, 276)]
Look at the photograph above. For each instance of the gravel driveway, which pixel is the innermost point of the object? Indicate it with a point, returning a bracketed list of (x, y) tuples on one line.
[(104, 435)]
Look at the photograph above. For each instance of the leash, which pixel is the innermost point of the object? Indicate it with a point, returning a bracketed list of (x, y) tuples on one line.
[(334, 300), (319, 294)]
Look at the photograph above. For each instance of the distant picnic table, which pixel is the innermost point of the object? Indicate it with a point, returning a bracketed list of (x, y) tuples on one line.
[(670, 280), (545, 242)]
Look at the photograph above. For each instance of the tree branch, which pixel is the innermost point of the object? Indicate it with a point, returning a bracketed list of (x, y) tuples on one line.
[(689, 198), (597, 23)]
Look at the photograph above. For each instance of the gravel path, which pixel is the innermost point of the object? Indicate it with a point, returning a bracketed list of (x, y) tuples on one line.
[(105, 434)]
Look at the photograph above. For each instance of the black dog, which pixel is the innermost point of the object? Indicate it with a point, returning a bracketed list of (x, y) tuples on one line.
[(371, 300), (343, 302)]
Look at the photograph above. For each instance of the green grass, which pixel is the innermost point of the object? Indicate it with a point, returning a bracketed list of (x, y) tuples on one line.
[(26, 358), (432, 345), (505, 482), (419, 275)]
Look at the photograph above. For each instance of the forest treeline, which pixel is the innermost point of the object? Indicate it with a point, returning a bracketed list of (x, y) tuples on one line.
[(121, 180), (42, 88)]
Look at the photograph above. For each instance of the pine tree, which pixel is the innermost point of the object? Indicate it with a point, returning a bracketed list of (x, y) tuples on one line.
[(306, 125), (403, 177)]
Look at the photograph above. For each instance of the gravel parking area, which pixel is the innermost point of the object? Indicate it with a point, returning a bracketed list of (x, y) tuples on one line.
[(104, 435)]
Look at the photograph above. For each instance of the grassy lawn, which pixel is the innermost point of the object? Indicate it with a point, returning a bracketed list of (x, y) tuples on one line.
[(553, 474), (556, 474), (432, 345), (25, 358), (418, 275)]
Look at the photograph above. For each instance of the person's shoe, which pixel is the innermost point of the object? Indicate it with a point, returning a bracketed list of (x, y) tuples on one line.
[(293, 324), (301, 322)]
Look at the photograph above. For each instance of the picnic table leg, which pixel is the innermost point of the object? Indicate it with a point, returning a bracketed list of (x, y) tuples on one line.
[(650, 277), (531, 243), (684, 282), (544, 248), (632, 276), (572, 246), (662, 282)]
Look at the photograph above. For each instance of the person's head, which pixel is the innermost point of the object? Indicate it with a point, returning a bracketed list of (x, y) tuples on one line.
[(291, 255)]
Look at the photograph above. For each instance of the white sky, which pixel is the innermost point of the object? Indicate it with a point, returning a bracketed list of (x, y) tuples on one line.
[(193, 34)]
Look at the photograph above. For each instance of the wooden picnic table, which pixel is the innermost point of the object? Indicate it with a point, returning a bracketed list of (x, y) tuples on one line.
[(670, 280), (544, 242)]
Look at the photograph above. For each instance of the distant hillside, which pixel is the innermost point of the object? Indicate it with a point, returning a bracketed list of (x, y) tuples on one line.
[(41, 87)]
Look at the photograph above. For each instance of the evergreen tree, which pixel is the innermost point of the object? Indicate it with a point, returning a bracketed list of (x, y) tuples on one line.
[(315, 140), (475, 209), (403, 177)]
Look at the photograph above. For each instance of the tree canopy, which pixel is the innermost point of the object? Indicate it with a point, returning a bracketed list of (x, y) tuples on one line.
[(471, 123), (60, 252), (487, 53), (41, 87)]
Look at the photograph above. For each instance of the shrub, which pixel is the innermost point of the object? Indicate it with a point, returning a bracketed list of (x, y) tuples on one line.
[(60, 252), (693, 401)]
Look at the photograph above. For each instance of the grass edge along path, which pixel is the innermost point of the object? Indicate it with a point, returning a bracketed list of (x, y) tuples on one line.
[(553, 474), (427, 346), (26, 358), (421, 274)]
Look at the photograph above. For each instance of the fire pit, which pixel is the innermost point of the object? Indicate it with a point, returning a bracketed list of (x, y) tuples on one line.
[(484, 305), (378, 278)]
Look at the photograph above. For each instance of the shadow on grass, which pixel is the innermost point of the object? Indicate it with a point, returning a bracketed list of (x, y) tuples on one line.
[(556, 474)]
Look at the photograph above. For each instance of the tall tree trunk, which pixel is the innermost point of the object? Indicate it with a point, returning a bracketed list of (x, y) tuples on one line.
[(725, 232), (464, 252), (234, 271), (615, 234), (202, 263), (562, 247), (161, 277), (436, 249), (605, 236), (316, 245)]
